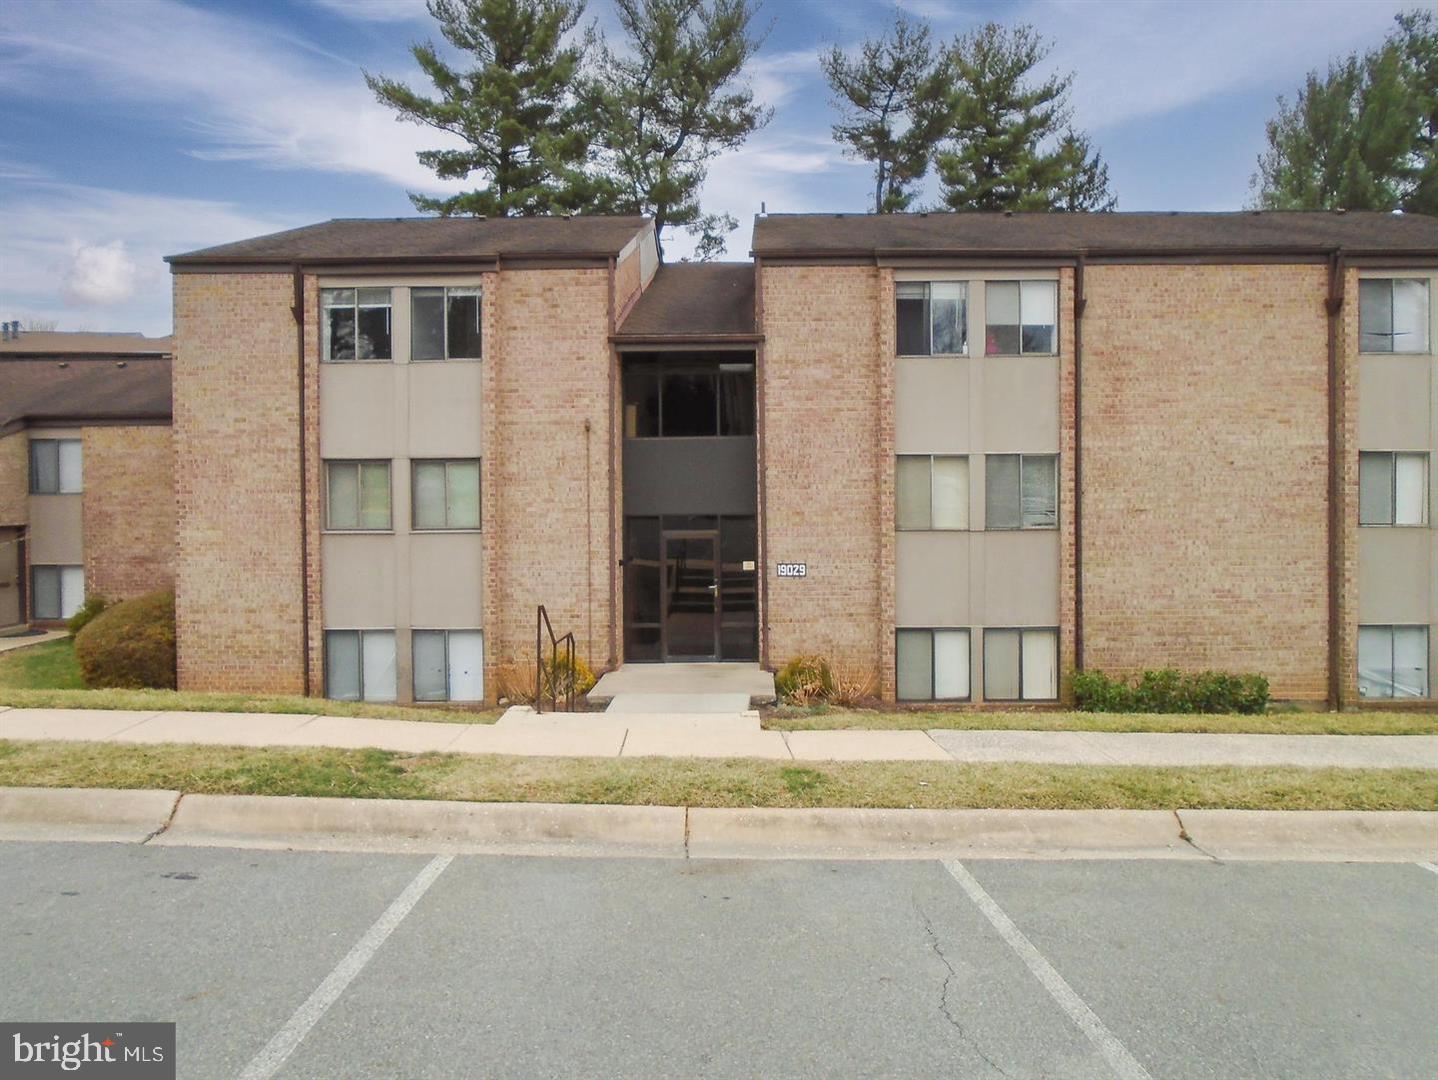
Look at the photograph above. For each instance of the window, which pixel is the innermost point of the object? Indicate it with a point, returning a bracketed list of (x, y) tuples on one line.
[(359, 665), (931, 318), (1392, 489), (448, 665), (444, 324), (932, 492), (933, 665), (674, 401), (1022, 316), (57, 592), (355, 324), (357, 495), (446, 494), (1021, 665), (1393, 661), (55, 467), (1393, 315), (1021, 491)]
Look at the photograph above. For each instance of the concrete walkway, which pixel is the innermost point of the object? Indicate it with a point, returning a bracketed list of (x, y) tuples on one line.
[(25, 640), (721, 735)]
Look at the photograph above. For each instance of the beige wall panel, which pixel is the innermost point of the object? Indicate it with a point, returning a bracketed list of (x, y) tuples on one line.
[(933, 578), (357, 409), (1395, 575), (444, 409), (1021, 578), (446, 581), (359, 588), (1394, 395), (1021, 404), (56, 529), (931, 405)]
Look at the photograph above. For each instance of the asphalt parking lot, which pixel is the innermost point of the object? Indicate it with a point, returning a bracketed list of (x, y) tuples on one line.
[(316, 964)]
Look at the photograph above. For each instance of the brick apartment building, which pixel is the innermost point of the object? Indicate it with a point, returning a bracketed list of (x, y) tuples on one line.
[(86, 498), (968, 454)]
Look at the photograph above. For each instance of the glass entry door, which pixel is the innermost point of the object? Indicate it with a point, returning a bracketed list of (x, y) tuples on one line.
[(691, 589)]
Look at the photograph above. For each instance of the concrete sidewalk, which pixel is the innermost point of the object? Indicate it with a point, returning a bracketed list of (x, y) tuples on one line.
[(522, 732), (25, 639)]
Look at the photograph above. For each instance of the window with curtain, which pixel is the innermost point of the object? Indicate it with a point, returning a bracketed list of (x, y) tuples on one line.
[(357, 495), (446, 494), (1021, 665), (56, 467), (932, 492), (1021, 317), (931, 318), (1393, 315), (56, 592), (360, 665), (448, 665), (1393, 661), (355, 324), (1392, 488), (1021, 491), (932, 664)]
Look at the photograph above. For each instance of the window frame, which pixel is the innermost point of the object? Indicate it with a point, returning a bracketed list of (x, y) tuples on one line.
[(414, 466), (1019, 283), (476, 291), (448, 674), (660, 371), (59, 571), (330, 463), (58, 443), (928, 286), (1023, 632), (360, 633), (1393, 456), (1021, 527), (1391, 629), (1392, 334), (967, 631), (327, 344), (931, 527)]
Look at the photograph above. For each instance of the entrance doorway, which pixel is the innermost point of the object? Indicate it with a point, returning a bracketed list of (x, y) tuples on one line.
[(691, 595)]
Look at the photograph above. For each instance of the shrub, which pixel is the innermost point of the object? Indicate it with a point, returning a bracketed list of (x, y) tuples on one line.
[(1170, 691), (514, 683), (805, 679), (92, 606), (130, 645)]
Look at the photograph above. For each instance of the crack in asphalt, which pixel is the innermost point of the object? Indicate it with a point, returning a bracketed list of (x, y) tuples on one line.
[(944, 991)]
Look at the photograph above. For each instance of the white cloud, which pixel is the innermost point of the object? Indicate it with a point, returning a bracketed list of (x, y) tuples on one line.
[(379, 11), (244, 93), (99, 274), (776, 77)]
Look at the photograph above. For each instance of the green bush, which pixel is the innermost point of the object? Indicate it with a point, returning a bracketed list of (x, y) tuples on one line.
[(1170, 691), (92, 606), (804, 679), (130, 645)]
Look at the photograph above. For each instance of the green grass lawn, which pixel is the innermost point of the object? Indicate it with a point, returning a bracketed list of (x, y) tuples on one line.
[(705, 782), (46, 677)]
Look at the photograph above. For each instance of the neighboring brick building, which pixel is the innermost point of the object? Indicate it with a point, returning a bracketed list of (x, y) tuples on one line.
[(86, 492), (971, 453)]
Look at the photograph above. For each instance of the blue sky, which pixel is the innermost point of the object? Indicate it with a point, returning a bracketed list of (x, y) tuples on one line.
[(139, 128)]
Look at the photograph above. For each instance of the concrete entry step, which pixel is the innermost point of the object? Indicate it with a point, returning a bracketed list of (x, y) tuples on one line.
[(678, 703), (749, 680)]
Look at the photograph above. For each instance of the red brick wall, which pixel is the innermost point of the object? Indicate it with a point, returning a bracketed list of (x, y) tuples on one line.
[(14, 479), (129, 510), (1205, 449), (239, 622)]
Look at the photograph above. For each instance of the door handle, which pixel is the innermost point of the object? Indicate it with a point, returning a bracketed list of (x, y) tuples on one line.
[(714, 587)]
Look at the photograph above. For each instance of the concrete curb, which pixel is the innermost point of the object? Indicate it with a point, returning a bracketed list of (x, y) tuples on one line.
[(1314, 835), (84, 814)]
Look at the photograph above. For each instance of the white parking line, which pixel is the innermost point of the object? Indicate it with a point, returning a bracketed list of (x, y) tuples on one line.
[(1124, 1064), (1429, 866), (268, 1061)]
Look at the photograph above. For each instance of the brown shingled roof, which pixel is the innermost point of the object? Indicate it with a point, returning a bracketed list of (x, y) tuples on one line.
[(428, 238), (694, 300), (1251, 232), (66, 342), (69, 389)]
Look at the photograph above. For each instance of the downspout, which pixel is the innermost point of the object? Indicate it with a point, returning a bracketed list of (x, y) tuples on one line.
[(763, 458), (1333, 305), (615, 448), (299, 315), (1080, 303)]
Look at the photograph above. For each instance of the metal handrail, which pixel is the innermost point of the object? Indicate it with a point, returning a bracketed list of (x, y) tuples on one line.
[(541, 627)]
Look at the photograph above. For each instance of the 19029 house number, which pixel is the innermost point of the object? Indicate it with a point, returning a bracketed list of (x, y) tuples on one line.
[(793, 569)]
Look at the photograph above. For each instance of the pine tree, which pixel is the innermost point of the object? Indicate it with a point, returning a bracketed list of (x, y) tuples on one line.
[(669, 104), (1009, 146), (526, 134), (894, 101)]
